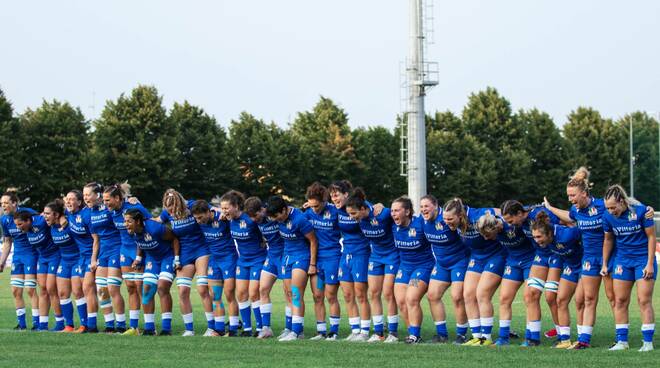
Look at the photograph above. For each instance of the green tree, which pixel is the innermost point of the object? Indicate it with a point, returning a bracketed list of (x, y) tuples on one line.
[(55, 151), (207, 166), (134, 140), (11, 155), (377, 149), (598, 144), (645, 148)]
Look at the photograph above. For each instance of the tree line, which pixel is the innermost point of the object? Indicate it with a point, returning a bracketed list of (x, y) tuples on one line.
[(486, 154)]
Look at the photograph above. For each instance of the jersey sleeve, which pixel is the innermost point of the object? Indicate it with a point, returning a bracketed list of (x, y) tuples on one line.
[(607, 226), (304, 226), (156, 229), (5, 228), (572, 213), (642, 215), (164, 216)]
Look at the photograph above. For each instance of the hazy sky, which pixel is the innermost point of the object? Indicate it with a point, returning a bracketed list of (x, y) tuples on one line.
[(275, 58)]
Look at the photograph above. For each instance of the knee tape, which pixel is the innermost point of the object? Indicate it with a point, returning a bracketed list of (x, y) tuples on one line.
[(295, 296), (30, 284), (128, 276), (166, 276), (150, 278), (551, 286), (202, 281), (114, 281), (17, 283), (184, 282), (101, 282), (217, 293), (535, 283)]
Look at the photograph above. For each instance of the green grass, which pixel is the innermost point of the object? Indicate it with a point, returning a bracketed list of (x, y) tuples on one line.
[(27, 349)]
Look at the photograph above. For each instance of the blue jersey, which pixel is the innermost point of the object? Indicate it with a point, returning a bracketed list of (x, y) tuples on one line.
[(378, 229), (414, 248), (186, 229), (21, 244), (293, 231), (218, 238), (566, 243), (247, 237), (39, 237), (447, 244), (527, 226), (590, 222), (480, 247), (64, 241), (270, 230), (151, 240), (127, 241), (629, 231), (101, 224), (353, 241), (79, 228), (326, 228), (514, 240)]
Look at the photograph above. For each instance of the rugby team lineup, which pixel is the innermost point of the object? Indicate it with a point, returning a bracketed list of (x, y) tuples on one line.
[(385, 260)]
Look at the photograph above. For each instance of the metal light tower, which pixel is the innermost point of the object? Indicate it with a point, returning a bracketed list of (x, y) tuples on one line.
[(419, 78), (632, 159)]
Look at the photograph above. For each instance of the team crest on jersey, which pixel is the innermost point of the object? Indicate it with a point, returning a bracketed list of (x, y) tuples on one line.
[(122, 258), (339, 272), (149, 265), (102, 207), (412, 233), (537, 258), (374, 222), (507, 270), (266, 262), (438, 225), (35, 229), (59, 269), (238, 270), (399, 274), (148, 237), (215, 224), (209, 271), (593, 211), (371, 266), (511, 234), (586, 266), (289, 225), (327, 214), (618, 270), (560, 246), (471, 264), (78, 219), (242, 224), (568, 271), (632, 216), (434, 272)]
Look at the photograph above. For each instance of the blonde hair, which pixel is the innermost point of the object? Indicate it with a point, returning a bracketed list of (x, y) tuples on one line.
[(456, 205), (173, 199), (580, 180), (619, 194), (487, 224)]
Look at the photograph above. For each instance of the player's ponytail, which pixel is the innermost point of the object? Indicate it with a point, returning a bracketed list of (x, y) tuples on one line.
[(619, 195), (57, 206), (487, 225), (580, 180), (357, 199), (456, 206), (542, 223)]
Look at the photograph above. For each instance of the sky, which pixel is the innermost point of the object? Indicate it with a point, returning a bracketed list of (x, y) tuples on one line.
[(276, 58)]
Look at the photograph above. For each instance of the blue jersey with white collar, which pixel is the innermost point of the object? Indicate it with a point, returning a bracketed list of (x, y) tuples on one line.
[(20, 241), (326, 228), (480, 247), (414, 248), (248, 238), (79, 228), (378, 229), (151, 240), (448, 248), (629, 231), (218, 237), (186, 229), (590, 222)]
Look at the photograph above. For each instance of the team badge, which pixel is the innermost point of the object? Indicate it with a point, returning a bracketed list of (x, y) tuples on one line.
[(632, 216), (618, 270), (122, 258), (471, 264), (339, 272), (568, 271), (458, 274), (289, 225), (412, 233), (507, 270), (374, 222), (242, 224), (586, 266), (537, 259), (391, 267), (266, 262), (593, 211), (209, 271), (215, 224), (78, 219), (357, 275), (434, 272), (238, 270), (327, 214), (35, 229), (148, 237), (399, 274), (511, 234), (560, 246), (332, 277), (59, 269), (149, 265), (438, 225), (371, 266)]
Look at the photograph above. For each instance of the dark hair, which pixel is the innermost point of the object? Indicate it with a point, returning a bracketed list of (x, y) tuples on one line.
[(56, 206), (253, 205), (342, 186), (511, 207), (136, 215), (406, 203), (234, 197), (23, 215), (357, 199), (120, 190), (200, 206), (456, 205), (95, 187), (542, 223), (12, 193), (317, 191), (431, 198), (276, 205), (78, 194)]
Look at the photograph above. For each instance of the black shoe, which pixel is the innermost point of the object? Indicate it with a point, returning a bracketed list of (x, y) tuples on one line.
[(240, 324), (165, 333), (219, 332), (34, 328), (255, 334), (513, 335), (19, 328), (232, 334), (412, 339), (530, 343), (109, 330), (149, 333), (91, 330), (246, 334), (439, 339), (460, 340), (120, 330)]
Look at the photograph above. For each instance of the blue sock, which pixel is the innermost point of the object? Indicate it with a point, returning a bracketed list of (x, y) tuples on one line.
[(504, 332), (297, 324), (257, 317), (647, 332), (82, 313), (35, 321), (210, 321), (414, 330), (91, 321), (67, 311), (393, 324), (486, 329), (21, 318), (334, 327), (379, 327), (121, 324), (536, 335), (475, 329), (220, 324), (244, 309), (622, 332), (265, 318), (167, 323), (150, 326), (288, 322), (441, 328), (43, 326), (110, 324), (528, 334), (461, 329)]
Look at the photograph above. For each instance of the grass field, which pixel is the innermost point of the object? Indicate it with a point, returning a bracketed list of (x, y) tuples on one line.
[(26, 349)]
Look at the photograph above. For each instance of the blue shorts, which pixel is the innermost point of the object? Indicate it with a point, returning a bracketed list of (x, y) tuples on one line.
[(571, 273), (327, 271), (548, 261), (353, 268), (126, 260), (292, 262), (48, 265), (24, 264), (408, 274), (451, 273), (631, 269), (380, 267), (67, 269), (83, 266), (517, 270), (221, 269), (110, 258), (190, 255), (591, 265), (250, 272), (494, 264), (274, 265), (164, 265)]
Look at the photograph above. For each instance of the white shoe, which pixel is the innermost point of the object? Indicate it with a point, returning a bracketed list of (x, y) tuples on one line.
[(391, 339), (646, 346), (210, 333), (332, 337), (319, 336), (361, 337), (620, 345), (284, 332), (352, 336), (376, 338), (187, 333), (291, 336), (265, 333)]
